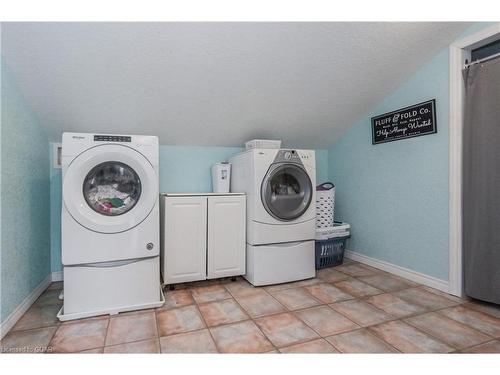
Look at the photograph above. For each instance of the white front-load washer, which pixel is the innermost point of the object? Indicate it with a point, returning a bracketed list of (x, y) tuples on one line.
[(281, 212), (109, 224)]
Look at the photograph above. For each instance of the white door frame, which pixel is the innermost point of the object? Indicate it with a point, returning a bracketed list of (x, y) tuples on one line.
[(459, 52)]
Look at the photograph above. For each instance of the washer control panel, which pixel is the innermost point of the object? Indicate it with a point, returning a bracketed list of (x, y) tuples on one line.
[(112, 138)]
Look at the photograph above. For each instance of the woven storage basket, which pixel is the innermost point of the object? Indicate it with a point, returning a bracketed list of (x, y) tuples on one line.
[(325, 205)]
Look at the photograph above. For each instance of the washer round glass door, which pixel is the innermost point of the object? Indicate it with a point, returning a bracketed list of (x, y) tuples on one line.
[(286, 191), (110, 188)]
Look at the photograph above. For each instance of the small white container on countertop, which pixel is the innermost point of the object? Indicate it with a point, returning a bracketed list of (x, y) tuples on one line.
[(221, 177)]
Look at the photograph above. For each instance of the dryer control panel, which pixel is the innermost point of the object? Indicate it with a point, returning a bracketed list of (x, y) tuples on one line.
[(287, 156)]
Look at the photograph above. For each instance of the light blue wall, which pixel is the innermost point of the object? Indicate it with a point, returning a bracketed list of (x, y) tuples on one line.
[(187, 168), (55, 214), (321, 166), (182, 169), (395, 195), (25, 242)]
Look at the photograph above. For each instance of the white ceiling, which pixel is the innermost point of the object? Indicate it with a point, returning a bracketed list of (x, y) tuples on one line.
[(215, 83)]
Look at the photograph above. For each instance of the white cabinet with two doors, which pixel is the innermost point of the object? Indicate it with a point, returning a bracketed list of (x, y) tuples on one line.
[(203, 236)]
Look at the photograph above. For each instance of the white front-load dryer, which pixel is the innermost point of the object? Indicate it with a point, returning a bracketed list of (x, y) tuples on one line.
[(281, 212), (109, 223)]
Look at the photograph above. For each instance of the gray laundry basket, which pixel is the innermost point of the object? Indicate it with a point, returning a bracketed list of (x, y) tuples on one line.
[(330, 248), (330, 252)]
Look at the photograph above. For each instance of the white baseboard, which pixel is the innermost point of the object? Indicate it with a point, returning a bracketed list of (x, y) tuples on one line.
[(57, 276), (400, 271), (12, 319)]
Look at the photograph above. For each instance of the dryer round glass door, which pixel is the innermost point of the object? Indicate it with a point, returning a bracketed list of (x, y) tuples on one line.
[(110, 188), (286, 191)]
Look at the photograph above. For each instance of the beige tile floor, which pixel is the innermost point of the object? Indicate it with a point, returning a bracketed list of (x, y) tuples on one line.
[(352, 308)]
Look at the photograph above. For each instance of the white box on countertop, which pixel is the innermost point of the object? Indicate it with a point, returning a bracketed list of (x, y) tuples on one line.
[(262, 143)]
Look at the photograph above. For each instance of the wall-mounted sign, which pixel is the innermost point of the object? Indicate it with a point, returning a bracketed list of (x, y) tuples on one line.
[(408, 122)]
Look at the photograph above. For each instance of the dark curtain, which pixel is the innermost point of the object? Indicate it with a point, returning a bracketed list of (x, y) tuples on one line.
[(481, 181)]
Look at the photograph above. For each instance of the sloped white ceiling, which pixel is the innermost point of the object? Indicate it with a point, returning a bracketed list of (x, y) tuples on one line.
[(215, 83)]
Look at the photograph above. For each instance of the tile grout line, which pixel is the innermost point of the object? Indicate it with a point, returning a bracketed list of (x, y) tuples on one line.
[(357, 330), (158, 327), (52, 337), (105, 335), (476, 308), (131, 313), (359, 323), (123, 343), (373, 332), (305, 291), (455, 321), (207, 327), (483, 343), (431, 335), (59, 322), (401, 320), (196, 305), (326, 305), (261, 316), (80, 321), (253, 320), (306, 342), (56, 324), (462, 323)]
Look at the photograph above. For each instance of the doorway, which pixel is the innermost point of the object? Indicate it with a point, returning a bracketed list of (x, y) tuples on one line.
[(460, 53)]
